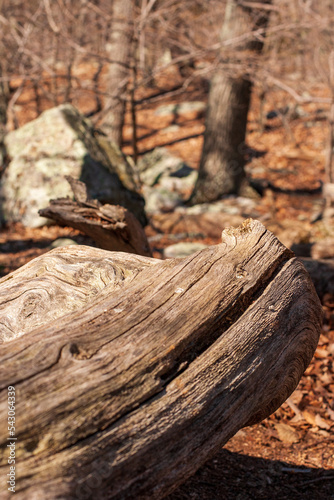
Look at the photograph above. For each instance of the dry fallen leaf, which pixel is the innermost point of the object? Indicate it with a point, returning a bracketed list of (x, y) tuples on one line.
[(286, 433), (326, 378), (321, 353), (321, 422), (296, 398), (323, 339), (330, 413), (309, 417), (324, 434)]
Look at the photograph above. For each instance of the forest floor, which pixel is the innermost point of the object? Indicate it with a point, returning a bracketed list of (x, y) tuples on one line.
[(290, 455)]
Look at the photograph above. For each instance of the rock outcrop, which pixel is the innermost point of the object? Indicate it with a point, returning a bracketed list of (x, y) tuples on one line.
[(167, 180), (62, 142)]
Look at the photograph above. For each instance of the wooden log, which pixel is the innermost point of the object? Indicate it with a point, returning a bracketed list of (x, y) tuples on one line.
[(59, 282), (112, 227), (127, 396)]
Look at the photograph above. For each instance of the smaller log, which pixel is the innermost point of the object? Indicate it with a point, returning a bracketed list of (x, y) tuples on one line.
[(112, 227)]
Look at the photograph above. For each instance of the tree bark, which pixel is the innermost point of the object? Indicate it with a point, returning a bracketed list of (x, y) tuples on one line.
[(151, 366), (4, 100), (119, 70), (329, 167), (221, 169)]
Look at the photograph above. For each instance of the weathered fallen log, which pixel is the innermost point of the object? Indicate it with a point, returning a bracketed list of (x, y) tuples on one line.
[(112, 227), (160, 364)]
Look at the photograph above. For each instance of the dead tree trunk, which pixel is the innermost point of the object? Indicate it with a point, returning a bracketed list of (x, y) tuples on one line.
[(112, 227), (130, 372), (221, 169)]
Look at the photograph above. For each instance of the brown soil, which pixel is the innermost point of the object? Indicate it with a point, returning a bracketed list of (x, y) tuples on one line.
[(291, 454)]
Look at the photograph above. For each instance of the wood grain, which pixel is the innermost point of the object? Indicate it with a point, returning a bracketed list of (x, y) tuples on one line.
[(112, 227)]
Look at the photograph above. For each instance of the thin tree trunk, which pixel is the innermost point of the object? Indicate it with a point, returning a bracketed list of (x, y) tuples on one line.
[(119, 53), (330, 154), (222, 163), (328, 186), (4, 99)]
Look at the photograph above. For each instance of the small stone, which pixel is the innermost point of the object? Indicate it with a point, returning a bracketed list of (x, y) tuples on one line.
[(157, 163), (178, 109), (62, 242), (182, 249), (160, 199)]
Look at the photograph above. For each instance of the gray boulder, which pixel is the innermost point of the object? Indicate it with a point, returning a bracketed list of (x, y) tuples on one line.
[(167, 180), (62, 142)]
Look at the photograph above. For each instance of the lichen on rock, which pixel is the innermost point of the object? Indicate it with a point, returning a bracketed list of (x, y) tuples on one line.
[(61, 142)]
